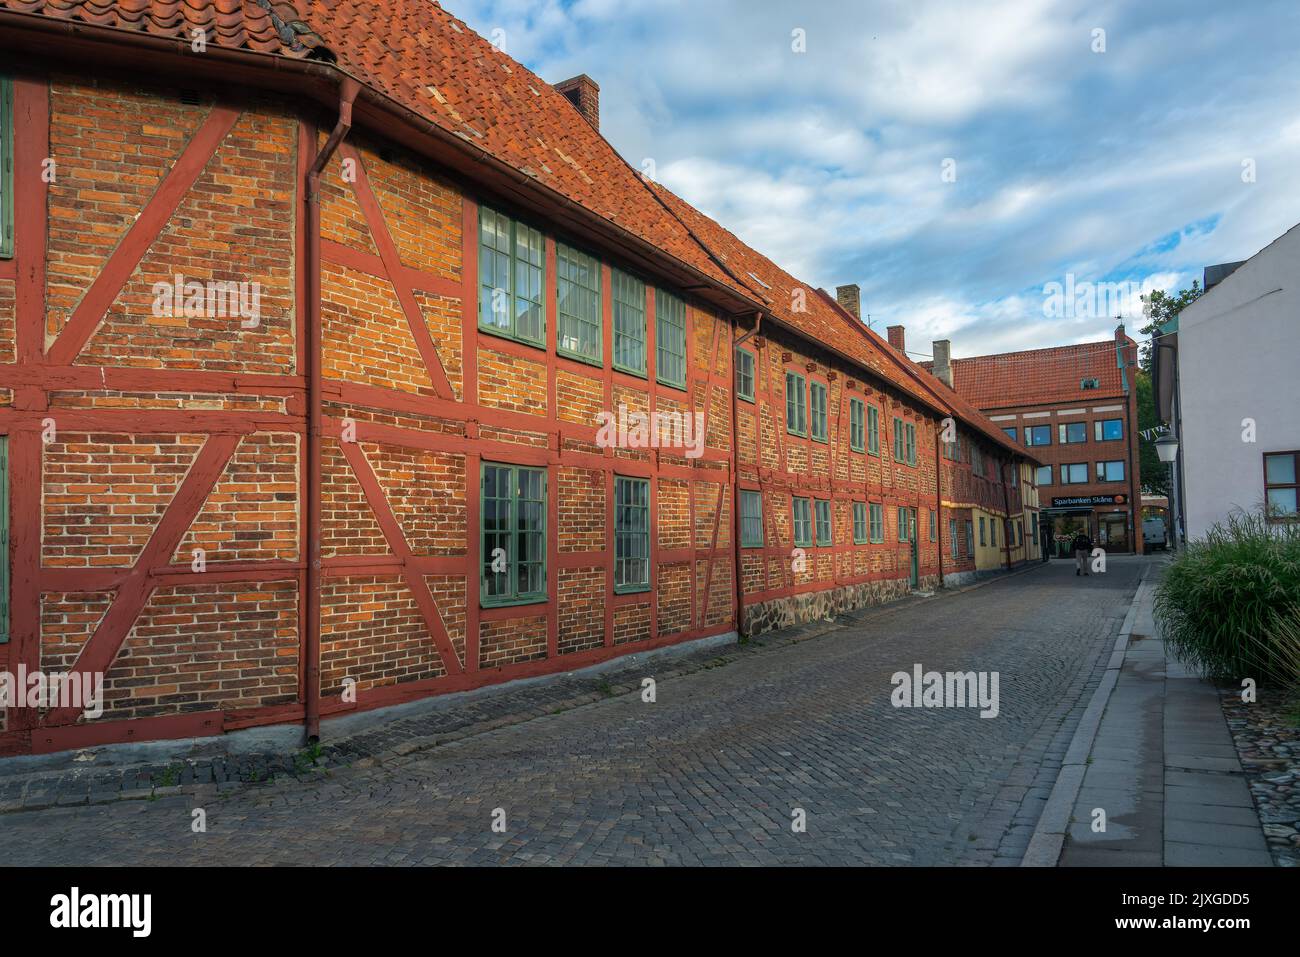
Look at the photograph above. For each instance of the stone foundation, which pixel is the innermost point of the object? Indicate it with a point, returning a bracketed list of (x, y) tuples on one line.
[(819, 605)]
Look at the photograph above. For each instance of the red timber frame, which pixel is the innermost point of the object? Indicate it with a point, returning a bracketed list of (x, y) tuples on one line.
[(769, 392), (713, 466), (39, 371)]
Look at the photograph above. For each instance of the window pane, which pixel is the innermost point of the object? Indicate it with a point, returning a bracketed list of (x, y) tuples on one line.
[(823, 523), (496, 509), (1011, 433), (1038, 435), (796, 410), (629, 322), (578, 301), (751, 519), (631, 532), (1281, 502), (817, 397), (511, 255), (1071, 432), (1279, 469), (670, 339), (873, 430), (744, 374)]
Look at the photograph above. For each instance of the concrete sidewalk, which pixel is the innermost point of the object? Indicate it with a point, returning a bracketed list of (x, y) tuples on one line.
[(1161, 768)]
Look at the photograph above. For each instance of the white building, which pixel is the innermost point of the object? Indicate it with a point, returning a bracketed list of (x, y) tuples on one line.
[(1227, 378)]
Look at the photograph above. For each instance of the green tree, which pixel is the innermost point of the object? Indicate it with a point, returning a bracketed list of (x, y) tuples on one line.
[(1159, 308), (1155, 474)]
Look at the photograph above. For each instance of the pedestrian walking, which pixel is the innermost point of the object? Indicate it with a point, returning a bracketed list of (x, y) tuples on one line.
[(1082, 549)]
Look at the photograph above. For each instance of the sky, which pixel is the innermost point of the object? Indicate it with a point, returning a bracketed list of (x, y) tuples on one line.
[(1007, 174)]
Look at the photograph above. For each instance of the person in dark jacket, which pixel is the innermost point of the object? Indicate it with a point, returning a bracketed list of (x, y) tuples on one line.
[(1082, 549)]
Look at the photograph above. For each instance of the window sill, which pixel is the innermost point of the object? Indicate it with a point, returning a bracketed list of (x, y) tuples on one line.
[(631, 589), (512, 602), (636, 373), (745, 398), (575, 357), (679, 386), (502, 334)]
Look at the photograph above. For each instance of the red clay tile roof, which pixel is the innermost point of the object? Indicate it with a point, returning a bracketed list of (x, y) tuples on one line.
[(431, 63), (263, 26), (1039, 376)]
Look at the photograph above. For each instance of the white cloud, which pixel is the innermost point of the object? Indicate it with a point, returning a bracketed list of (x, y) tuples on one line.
[(1068, 161)]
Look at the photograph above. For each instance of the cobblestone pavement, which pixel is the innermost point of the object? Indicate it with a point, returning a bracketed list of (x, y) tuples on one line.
[(711, 773)]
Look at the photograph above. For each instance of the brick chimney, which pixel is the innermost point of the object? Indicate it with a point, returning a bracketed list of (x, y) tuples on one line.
[(943, 361), (896, 334), (584, 94), (850, 297)]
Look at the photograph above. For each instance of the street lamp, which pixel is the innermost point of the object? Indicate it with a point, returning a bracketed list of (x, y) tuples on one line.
[(1167, 447)]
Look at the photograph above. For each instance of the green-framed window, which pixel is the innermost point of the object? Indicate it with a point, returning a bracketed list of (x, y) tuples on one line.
[(513, 534), (745, 374), (751, 519), (801, 515), (873, 430), (909, 441), (904, 525), (796, 405), (629, 322), (982, 541), (934, 526), (578, 310), (993, 532), (6, 175), (670, 339), (511, 278), (857, 425), (4, 539), (817, 400), (877, 522), (953, 543), (822, 513), (859, 523), (899, 449), (631, 534)]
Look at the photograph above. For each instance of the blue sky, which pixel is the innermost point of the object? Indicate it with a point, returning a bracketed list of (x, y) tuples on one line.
[(1124, 165)]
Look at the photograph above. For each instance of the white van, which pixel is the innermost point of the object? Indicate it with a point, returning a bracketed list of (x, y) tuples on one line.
[(1154, 534)]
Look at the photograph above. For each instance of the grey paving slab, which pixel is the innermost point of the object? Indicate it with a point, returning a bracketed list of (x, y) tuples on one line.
[(1178, 854), (1248, 837), (1195, 811)]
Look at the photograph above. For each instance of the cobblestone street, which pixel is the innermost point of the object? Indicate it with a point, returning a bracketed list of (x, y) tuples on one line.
[(708, 774)]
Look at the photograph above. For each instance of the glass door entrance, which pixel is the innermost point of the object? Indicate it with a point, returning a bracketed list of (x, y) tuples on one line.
[(1112, 532)]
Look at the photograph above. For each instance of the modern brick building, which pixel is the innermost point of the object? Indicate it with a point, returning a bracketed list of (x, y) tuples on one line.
[(330, 341), (1075, 408)]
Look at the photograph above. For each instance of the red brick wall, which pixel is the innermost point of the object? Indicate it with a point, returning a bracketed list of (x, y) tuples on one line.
[(139, 411)]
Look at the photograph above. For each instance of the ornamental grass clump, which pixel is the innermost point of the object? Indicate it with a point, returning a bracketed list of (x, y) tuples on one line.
[(1229, 604)]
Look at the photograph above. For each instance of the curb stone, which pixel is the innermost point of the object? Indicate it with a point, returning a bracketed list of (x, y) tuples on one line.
[(1049, 834)]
